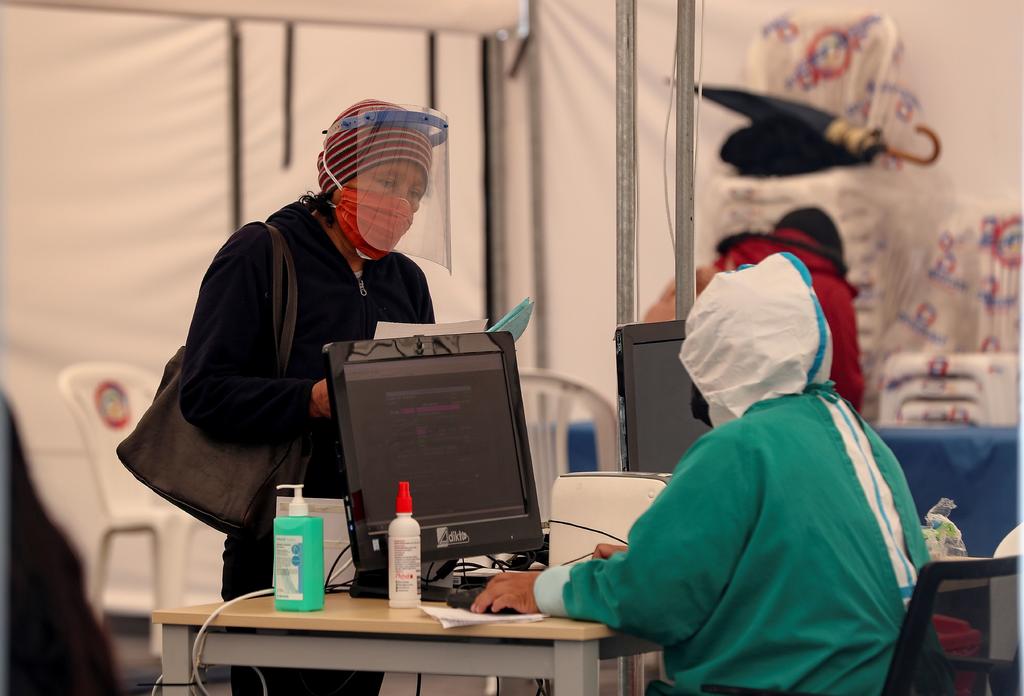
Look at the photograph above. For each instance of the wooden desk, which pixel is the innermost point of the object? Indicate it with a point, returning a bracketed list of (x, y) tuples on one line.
[(365, 634)]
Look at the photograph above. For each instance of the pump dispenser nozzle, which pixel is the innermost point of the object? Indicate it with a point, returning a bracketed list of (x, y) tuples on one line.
[(298, 507), (403, 502)]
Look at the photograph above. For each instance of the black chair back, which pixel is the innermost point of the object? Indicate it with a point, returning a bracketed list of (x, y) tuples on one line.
[(919, 665)]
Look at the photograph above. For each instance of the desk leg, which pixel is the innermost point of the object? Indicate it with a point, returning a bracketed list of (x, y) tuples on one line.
[(177, 658), (577, 668)]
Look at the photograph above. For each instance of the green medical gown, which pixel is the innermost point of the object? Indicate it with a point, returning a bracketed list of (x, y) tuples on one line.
[(761, 564)]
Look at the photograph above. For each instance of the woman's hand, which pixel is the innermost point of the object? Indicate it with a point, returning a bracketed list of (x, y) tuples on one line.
[(608, 550), (319, 404), (506, 590)]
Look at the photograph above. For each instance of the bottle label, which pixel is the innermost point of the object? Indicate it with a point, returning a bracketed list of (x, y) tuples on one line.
[(406, 562), (288, 567)]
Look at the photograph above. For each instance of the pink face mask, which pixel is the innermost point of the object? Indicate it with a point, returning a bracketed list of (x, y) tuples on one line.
[(372, 222)]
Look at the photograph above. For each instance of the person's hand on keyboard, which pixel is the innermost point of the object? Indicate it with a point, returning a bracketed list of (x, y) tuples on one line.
[(608, 550), (508, 591)]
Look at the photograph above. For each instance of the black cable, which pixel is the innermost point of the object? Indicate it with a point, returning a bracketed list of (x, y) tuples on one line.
[(579, 558), (540, 688), (334, 692), (327, 578), (589, 529), (419, 681)]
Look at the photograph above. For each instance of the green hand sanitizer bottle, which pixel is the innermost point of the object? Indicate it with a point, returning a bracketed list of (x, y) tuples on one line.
[(298, 558)]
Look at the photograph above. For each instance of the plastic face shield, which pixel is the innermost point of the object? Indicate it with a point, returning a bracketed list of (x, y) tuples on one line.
[(401, 153)]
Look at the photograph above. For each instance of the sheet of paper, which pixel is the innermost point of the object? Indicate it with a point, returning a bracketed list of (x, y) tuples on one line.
[(452, 618), (387, 329)]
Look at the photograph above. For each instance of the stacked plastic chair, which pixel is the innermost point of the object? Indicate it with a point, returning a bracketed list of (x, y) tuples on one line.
[(846, 63), (959, 388)]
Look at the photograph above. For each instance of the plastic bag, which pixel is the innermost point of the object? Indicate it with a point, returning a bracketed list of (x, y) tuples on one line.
[(941, 536)]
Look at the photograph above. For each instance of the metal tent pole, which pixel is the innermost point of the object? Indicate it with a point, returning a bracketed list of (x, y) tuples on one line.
[(631, 669), (534, 104), (685, 24), (495, 178), (625, 159)]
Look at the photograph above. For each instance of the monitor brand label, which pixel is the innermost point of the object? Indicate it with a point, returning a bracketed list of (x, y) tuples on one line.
[(446, 536)]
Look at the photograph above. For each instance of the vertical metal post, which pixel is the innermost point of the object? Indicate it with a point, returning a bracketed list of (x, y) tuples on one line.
[(235, 122), (287, 101), (685, 281), (535, 106), (631, 675), (625, 159), (432, 69), (495, 178)]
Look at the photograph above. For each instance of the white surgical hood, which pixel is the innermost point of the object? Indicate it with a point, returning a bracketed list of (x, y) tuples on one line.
[(754, 334)]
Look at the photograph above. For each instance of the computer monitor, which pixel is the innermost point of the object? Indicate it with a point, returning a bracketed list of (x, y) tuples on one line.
[(446, 414), (656, 425)]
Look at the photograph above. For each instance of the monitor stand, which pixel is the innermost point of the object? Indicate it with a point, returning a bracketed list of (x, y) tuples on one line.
[(430, 593)]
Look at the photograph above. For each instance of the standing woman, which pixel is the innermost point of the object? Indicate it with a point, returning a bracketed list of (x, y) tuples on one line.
[(383, 176)]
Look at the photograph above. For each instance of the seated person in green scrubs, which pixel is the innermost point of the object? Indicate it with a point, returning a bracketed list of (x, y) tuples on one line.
[(785, 548)]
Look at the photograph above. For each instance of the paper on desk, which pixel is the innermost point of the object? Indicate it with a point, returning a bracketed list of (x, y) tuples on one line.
[(388, 329), (452, 618)]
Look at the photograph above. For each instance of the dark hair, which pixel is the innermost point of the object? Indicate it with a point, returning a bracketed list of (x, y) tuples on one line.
[(816, 224), (59, 648), (319, 203)]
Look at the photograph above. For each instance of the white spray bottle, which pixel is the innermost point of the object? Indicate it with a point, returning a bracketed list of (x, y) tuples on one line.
[(403, 553)]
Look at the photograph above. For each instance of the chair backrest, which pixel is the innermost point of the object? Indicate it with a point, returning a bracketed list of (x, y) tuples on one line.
[(550, 401), (1011, 543), (106, 401), (959, 626), (843, 61), (979, 388)]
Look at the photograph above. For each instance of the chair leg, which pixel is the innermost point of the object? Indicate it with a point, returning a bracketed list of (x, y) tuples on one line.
[(170, 550), (98, 575)]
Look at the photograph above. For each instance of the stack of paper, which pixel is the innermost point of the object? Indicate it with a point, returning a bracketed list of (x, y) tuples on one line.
[(515, 322), (452, 618)]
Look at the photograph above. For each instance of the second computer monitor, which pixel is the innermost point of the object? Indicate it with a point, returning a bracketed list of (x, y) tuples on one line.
[(656, 425)]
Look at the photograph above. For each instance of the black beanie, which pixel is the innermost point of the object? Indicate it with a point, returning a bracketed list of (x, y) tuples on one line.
[(816, 224)]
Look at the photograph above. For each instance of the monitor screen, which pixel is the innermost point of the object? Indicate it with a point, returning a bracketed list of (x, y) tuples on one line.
[(656, 425), (446, 415)]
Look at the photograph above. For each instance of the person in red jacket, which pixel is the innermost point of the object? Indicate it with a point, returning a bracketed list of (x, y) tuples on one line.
[(810, 234)]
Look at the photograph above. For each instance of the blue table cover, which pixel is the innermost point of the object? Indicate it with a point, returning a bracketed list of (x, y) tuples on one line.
[(976, 467)]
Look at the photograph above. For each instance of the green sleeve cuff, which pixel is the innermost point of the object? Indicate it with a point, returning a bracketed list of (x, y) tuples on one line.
[(547, 591)]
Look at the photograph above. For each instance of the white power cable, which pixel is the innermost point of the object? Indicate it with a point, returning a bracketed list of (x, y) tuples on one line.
[(200, 642), (339, 571)]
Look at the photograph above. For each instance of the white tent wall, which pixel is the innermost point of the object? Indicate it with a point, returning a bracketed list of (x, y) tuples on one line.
[(964, 63), (117, 172), (109, 222)]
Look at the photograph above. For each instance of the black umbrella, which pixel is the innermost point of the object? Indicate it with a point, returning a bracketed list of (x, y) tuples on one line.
[(786, 137)]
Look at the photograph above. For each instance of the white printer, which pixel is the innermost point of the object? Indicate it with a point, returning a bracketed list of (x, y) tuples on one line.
[(598, 507)]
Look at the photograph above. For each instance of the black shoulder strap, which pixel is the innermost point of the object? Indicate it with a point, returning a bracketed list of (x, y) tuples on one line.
[(284, 314)]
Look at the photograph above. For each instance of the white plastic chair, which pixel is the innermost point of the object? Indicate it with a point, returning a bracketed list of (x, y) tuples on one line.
[(1003, 637), (106, 401), (550, 401), (977, 388)]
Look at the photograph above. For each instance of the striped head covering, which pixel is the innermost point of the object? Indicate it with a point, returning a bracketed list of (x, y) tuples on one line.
[(350, 149)]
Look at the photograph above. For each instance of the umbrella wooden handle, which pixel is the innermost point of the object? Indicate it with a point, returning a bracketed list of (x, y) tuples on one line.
[(917, 159)]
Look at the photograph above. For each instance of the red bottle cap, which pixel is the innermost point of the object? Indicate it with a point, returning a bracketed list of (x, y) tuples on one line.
[(403, 503)]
